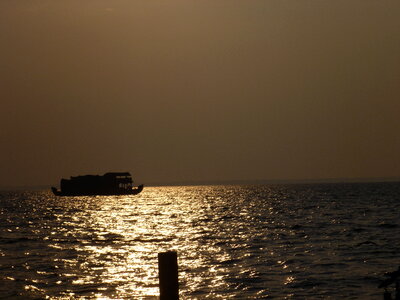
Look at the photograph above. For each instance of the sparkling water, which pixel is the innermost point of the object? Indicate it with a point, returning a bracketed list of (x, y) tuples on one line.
[(300, 241)]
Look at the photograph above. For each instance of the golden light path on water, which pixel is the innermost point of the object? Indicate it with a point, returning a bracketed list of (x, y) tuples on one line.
[(119, 237)]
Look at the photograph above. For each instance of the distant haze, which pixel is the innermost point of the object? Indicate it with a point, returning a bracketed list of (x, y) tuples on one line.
[(199, 90)]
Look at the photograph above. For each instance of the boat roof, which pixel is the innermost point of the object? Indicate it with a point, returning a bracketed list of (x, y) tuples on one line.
[(120, 175)]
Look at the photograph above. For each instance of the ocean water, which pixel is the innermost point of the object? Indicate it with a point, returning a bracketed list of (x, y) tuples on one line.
[(300, 241)]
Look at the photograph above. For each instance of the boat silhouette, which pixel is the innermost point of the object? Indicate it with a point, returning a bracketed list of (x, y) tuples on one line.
[(112, 183)]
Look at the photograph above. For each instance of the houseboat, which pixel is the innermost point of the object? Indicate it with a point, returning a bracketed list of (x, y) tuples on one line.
[(115, 183)]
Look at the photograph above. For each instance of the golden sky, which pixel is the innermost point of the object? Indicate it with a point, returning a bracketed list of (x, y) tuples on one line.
[(199, 90)]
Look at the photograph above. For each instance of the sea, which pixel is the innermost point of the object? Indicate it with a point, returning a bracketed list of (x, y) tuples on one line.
[(273, 241)]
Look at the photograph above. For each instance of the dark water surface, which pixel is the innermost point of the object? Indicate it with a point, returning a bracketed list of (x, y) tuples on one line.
[(322, 241)]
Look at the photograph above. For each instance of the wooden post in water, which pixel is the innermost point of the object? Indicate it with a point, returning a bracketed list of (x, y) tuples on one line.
[(168, 275)]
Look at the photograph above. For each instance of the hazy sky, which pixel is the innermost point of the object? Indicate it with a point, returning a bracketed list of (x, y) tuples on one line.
[(199, 90)]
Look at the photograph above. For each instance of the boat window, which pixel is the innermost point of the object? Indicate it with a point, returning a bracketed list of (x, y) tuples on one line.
[(124, 185)]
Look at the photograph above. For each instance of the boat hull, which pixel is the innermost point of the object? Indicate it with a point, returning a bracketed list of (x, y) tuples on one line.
[(134, 191)]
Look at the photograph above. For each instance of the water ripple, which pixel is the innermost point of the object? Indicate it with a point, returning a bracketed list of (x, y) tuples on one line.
[(242, 242)]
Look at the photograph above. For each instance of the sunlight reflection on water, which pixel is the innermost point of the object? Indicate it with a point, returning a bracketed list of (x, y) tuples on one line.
[(242, 242)]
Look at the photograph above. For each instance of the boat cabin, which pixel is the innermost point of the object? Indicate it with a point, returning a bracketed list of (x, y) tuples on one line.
[(108, 183)]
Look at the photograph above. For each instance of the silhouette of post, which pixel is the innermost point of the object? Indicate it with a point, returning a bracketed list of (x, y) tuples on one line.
[(168, 275)]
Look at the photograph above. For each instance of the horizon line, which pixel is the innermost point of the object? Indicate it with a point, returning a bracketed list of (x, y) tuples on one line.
[(232, 182)]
